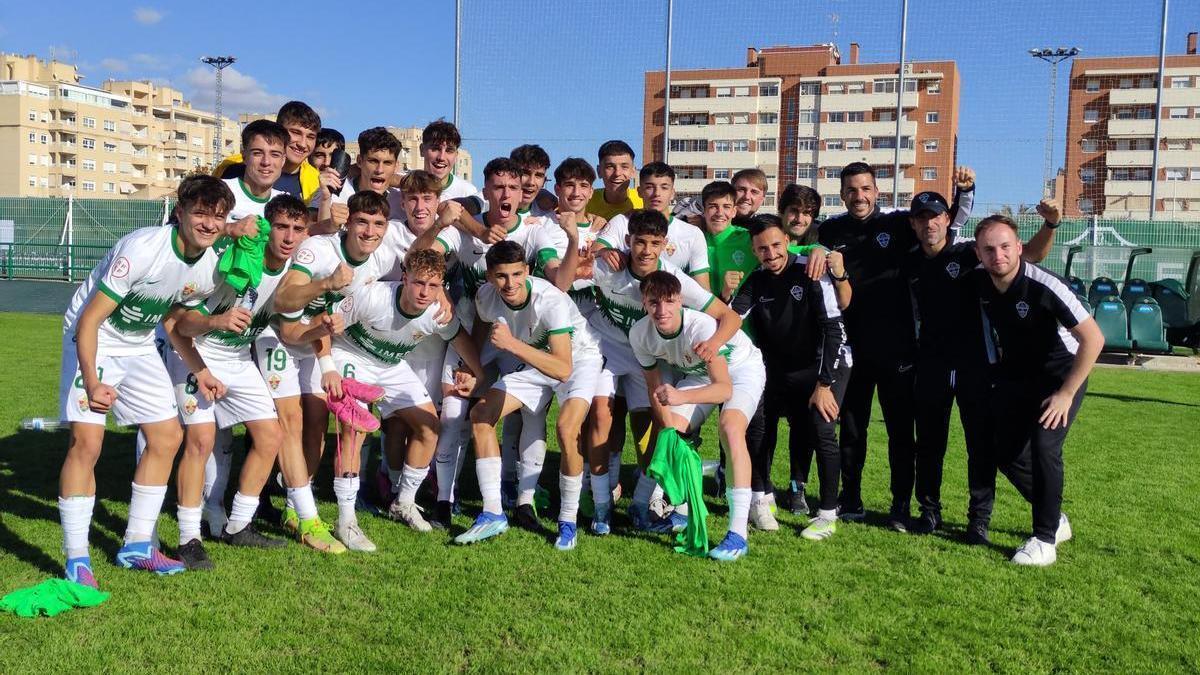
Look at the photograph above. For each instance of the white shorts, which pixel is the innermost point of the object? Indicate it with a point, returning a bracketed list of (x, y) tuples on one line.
[(402, 388), (428, 361), (143, 388), (622, 376), (246, 397), (288, 371), (534, 389), (748, 381)]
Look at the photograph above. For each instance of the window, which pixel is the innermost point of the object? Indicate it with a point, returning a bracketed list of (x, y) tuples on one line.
[(889, 86), (1089, 145), (832, 172), (32, 115), (720, 119), (833, 144), (808, 116), (931, 117), (767, 145), (806, 172), (810, 88), (1177, 174), (33, 181), (724, 92), (689, 119), (44, 181), (1176, 144), (768, 90), (1092, 86), (89, 165), (859, 116), (1085, 205), (806, 144), (931, 145), (1178, 113), (1195, 174), (832, 200), (934, 87), (32, 160), (720, 146), (837, 117), (1125, 83), (89, 123), (1181, 82), (1130, 144), (88, 186), (883, 142), (929, 173), (110, 147), (1091, 115), (694, 172), (1123, 114), (110, 167), (1146, 83), (110, 125), (1145, 113), (768, 118), (741, 146), (89, 144), (854, 144), (44, 139), (721, 174), (688, 145), (1087, 175), (885, 115), (741, 91), (741, 118), (855, 88), (32, 137), (837, 89), (110, 187), (883, 172)]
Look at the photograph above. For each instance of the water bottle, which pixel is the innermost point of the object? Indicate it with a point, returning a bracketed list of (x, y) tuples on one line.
[(40, 424)]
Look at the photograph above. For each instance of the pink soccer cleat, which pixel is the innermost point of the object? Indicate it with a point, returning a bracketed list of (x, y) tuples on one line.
[(367, 393), (349, 413)]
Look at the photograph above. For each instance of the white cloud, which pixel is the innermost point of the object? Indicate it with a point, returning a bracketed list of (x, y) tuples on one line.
[(147, 16), (241, 93)]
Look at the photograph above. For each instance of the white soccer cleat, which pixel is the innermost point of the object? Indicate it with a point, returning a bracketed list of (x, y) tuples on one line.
[(1036, 553), (410, 515), (352, 536), (1063, 533), (761, 517)]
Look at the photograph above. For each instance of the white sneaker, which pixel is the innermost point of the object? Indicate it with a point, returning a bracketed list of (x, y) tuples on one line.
[(1063, 533), (1035, 552), (352, 536), (761, 517), (410, 515)]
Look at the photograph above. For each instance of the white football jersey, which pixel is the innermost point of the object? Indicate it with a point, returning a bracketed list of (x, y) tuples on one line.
[(246, 204), (376, 327), (619, 299), (547, 311), (260, 300), (469, 252), (685, 248), (651, 346), (319, 256)]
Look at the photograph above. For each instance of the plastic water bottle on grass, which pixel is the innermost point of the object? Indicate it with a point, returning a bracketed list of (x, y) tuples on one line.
[(40, 424)]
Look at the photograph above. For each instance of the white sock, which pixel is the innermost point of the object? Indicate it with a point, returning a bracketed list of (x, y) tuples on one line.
[(303, 502), (657, 494), (739, 509), (410, 482), (241, 512), (144, 506), (75, 513), (827, 514), (569, 488), (216, 480), (533, 456), (681, 509), (645, 488), (139, 447), (614, 470), (346, 491), (449, 458), (510, 447), (601, 495), (189, 523), (487, 469), (757, 496)]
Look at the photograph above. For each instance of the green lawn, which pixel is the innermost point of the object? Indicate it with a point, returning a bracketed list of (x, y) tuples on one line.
[(1124, 596)]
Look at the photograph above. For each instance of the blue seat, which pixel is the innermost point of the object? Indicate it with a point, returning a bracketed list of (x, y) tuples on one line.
[(1114, 323), (1076, 285), (1134, 290), (1146, 327), (1101, 288)]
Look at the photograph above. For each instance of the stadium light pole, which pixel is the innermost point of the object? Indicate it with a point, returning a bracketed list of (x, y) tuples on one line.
[(900, 105), (1053, 56), (457, 58), (1162, 69), (220, 63), (667, 85)]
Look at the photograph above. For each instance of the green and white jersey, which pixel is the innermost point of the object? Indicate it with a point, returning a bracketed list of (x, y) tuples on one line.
[(686, 248), (456, 188), (619, 299), (651, 346), (469, 252), (378, 329), (319, 256), (229, 346), (145, 273), (246, 204), (546, 311), (397, 242), (546, 242)]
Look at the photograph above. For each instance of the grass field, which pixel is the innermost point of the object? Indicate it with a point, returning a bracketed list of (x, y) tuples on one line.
[(1124, 596)]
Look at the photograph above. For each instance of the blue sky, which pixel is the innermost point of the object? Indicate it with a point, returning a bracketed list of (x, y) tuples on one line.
[(568, 74)]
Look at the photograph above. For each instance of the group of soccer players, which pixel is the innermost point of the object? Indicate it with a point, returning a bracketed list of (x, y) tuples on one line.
[(288, 289)]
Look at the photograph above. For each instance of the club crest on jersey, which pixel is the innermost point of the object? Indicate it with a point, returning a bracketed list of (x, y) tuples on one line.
[(346, 306), (671, 248), (83, 403), (739, 258), (305, 257), (189, 288), (274, 381), (189, 405), (120, 268), (417, 336), (883, 238), (1022, 309), (797, 293), (953, 269)]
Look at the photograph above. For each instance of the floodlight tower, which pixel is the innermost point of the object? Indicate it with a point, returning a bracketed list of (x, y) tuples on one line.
[(1053, 56), (220, 63)]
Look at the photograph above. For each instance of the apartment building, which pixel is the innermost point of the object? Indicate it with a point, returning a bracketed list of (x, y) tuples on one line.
[(800, 114), (1112, 112), (131, 139)]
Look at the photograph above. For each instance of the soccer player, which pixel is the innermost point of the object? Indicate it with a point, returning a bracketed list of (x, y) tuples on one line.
[(545, 349), (328, 142), (1047, 344), (620, 305), (534, 164), (673, 341), (751, 188), (730, 253), (573, 180), (880, 328), (264, 146), (615, 167), (797, 324), (378, 152), (109, 364), (299, 178), (440, 142)]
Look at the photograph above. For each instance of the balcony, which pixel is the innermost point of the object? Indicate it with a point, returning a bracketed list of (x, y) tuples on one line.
[(725, 104), (834, 185), (1180, 128), (1128, 127), (865, 129), (852, 102), (1171, 97), (693, 131), (1120, 188), (874, 157), (1129, 158), (732, 160)]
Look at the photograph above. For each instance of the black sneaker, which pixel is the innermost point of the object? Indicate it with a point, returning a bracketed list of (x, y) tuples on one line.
[(898, 520), (267, 512), (926, 523), (193, 556), (853, 513), (250, 537), (977, 533), (441, 515), (526, 519), (797, 502)]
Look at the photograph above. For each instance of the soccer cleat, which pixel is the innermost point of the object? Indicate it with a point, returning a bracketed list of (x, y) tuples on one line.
[(526, 518), (796, 499), (353, 537), (508, 495), (642, 521), (315, 534), (349, 413), (926, 523), (142, 556), (194, 557), (977, 533), (486, 526), (659, 508), (1063, 534), (250, 537), (600, 526), (367, 393), (676, 521), (819, 528), (732, 547), (566, 536), (442, 512), (1036, 553), (761, 517), (410, 515), (290, 522), (79, 570), (852, 514)]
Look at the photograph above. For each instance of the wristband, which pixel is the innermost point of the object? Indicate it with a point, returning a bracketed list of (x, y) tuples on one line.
[(327, 364), (1052, 226), (844, 277)]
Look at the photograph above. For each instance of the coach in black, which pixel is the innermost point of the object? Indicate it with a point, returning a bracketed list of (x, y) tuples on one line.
[(1045, 345), (882, 333), (796, 323)]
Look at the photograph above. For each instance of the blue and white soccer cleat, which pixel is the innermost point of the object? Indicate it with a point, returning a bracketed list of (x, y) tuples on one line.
[(677, 521), (79, 570), (486, 526), (566, 536), (643, 521), (143, 556), (600, 526), (732, 547)]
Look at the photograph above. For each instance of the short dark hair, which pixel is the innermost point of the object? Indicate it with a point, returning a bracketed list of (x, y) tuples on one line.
[(420, 181), (285, 205), (574, 168), (762, 222), (299, 112), (660, 284), (614, 147), (802, 196), (647, 222), (856, 169), (656, 169), (501, 165), (378, 138), (206, 191), (272, 131), (504, 253), (717, 189), (440, 131), (332, 137), (995, 221), (530, 155), (369, 202)]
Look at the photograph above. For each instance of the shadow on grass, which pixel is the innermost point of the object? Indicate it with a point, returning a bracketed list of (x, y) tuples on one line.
[(1125, 398)]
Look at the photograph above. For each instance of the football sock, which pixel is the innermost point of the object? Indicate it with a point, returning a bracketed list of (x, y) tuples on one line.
[(302, 501), (240, 512), (569, 488), (488, 471), (739, 509), (346, 491), (75, 513), (144, 505), (189, 523), (410, 482)]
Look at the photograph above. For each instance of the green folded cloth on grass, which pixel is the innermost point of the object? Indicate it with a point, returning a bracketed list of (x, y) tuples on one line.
[(677, 468), (241, 263), (50, 598)]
